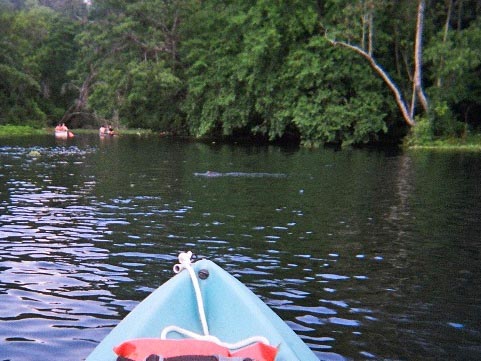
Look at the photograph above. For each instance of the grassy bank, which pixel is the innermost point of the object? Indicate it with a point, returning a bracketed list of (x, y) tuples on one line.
[(23, 130), (470, 143), (19, 130), (119, 131)]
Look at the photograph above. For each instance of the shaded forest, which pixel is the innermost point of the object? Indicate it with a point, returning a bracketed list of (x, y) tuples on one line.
[(335, 71)]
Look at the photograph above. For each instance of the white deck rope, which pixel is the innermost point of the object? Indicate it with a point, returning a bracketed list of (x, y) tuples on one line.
[(196, 336), (185, 263)]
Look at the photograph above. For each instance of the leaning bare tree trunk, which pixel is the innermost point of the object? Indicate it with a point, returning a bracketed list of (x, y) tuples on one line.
[(382, 73), (417, 79), (418, 92)]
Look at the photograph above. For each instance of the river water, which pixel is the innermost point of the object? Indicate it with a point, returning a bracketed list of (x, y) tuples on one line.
[(365, 254)]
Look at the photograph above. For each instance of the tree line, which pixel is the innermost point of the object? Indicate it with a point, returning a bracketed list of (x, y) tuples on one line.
[(333, 71)]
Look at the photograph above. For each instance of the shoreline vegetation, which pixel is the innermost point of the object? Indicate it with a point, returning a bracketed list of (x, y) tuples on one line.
[(334, 73), (470, 143), (25, 130)]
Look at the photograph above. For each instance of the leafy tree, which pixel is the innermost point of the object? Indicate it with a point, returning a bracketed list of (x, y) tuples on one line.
[(276, 75), (130, 56), (340, 104), (53, 60), (455, 58), (367, 53), (19, 83), (36, 53), (256, 67), (73, 9)]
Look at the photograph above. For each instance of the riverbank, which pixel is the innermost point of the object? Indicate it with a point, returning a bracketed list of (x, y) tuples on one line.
[(470, 143), (23, 130), (19, 130)]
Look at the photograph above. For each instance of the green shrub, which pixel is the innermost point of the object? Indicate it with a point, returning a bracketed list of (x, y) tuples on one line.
[(420, 134)]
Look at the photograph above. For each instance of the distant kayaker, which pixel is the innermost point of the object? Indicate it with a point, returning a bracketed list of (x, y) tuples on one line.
[(61, 128)]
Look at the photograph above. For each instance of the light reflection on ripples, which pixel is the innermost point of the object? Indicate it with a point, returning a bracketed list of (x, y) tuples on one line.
[(86, 233), (54, 282)]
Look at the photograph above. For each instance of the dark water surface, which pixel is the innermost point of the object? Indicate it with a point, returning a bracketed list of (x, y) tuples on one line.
[(366, 255)]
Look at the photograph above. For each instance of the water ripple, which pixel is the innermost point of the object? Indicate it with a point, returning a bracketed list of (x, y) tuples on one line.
[(86, 232)]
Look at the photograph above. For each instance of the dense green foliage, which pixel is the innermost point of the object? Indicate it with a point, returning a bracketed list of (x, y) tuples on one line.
[(210, 68), (37, 49)]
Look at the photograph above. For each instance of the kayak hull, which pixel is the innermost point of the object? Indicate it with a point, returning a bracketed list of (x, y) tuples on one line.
[(233, 314)]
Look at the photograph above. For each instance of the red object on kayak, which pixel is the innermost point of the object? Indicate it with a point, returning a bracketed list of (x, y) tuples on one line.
[(140, 349)]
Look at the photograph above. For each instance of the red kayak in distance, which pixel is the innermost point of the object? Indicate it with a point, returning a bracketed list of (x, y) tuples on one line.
[(63, 134)]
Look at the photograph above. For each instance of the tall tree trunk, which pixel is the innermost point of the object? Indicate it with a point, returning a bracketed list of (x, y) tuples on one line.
[(460, 14), (417, 89), (370, 27), (364, 26), (397, 51), (417, 79), (439, 80), (367, 27)]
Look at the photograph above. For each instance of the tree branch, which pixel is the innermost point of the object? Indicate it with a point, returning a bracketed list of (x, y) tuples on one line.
[(81, 102), (380, 71)]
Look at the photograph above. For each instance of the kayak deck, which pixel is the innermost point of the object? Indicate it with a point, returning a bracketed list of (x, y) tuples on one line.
[(232, 312)]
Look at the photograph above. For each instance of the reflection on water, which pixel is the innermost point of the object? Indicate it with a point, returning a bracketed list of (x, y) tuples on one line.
[(365, 255), (213, 174)]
